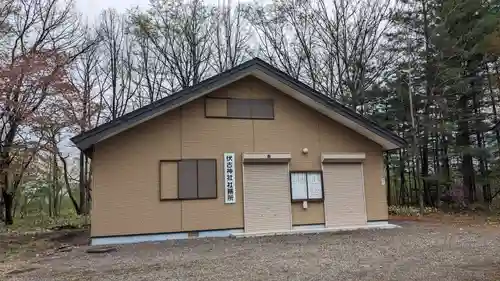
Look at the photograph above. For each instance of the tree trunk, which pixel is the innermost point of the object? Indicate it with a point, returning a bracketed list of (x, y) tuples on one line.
[(88, 182), (416, 185), (55, 185), (2, 209), (463, 140), (50, 203), (402, 188), (387, 178), (438, 195), (425, 169), (23, 207), (493, 105), (446, 160), (480, 144), (15, 204), (8, 200), (8, 197), (68, 186), (487, 186), (428, 91), (50, 191), (437, 171)]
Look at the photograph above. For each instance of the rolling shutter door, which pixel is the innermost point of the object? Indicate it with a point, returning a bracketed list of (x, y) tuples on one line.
[(344, 195), (267, 203)]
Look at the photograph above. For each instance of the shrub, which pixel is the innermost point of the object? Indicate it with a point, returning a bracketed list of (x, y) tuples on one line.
[(410, 210)]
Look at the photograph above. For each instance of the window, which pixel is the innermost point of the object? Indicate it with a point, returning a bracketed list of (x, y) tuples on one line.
[(188, 179), (239, 108), (306, 186)]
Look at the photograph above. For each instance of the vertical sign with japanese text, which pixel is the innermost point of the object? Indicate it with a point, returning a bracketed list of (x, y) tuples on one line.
[(229, 178)]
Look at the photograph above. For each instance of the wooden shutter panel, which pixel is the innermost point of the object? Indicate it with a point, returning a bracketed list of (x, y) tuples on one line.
[(262, 109), (168, 180), (207, 179), (188, 185), (215, 107), (238, 108)]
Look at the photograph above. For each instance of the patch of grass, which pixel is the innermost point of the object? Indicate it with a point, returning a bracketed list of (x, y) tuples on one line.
[(12, 252), (42, 222), (410, 211), (494, 219), (22, 246)]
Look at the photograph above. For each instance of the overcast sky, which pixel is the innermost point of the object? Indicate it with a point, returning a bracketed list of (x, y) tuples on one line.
[(92, 8)]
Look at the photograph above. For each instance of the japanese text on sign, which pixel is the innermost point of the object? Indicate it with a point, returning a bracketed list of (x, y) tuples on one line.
[(229, 178)]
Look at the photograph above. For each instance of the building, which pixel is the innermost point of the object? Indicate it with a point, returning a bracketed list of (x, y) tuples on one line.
[(248, 151)]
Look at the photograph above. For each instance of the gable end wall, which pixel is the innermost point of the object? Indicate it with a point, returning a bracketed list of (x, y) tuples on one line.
[(126, 167)]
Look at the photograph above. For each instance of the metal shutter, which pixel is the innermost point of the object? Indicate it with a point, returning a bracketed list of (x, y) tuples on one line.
[(267, 203), (344, 195)]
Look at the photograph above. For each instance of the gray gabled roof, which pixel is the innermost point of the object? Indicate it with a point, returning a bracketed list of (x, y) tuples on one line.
[(87, 139)]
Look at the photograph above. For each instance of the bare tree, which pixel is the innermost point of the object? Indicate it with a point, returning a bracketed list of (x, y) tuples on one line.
[(53, 135), (82, 110), (351, 33), (151, 64), (118, 63), (335, 47), (180, 33), (277, 42), (232, 35)]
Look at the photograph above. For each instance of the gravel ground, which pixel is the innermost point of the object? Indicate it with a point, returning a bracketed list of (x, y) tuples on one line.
[(415, 252)]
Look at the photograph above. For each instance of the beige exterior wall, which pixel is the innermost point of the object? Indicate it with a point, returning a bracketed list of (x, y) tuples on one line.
[(126, 166), (314, 214)]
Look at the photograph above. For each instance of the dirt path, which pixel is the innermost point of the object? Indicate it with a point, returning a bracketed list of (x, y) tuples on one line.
[(418, 251)]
